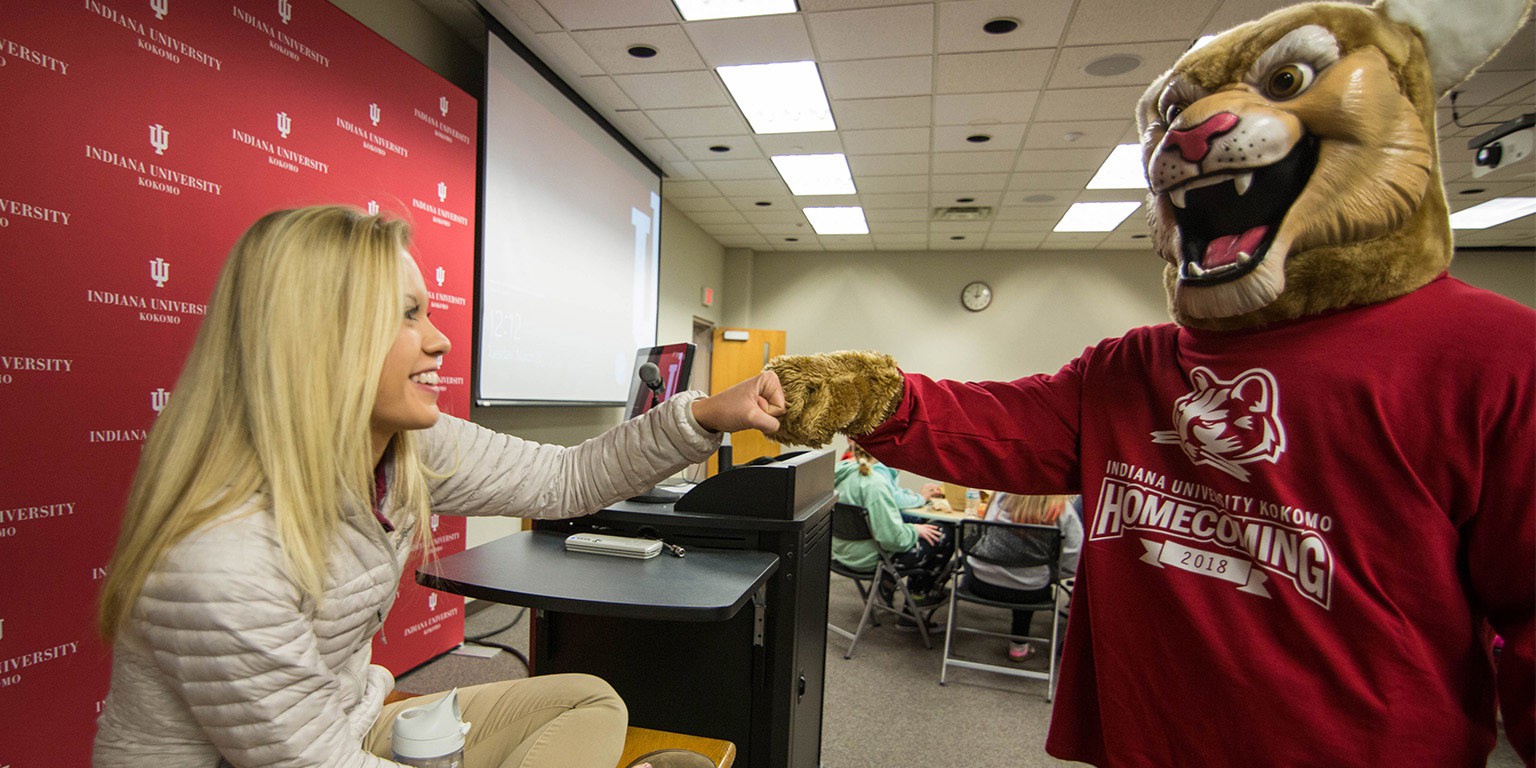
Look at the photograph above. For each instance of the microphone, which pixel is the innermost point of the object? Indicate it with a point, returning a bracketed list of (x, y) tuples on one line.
[(650, 376)]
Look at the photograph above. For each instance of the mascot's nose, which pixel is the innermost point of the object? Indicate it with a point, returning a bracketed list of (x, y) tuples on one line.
[(1195, 143)]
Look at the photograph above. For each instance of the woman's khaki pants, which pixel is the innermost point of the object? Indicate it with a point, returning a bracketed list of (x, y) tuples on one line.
[(549, 721)]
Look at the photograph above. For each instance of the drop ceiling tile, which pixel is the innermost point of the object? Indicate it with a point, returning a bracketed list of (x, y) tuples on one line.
[(946, 199), (898, 215), (1097, 22), (958, 227), (681, 169), (972, 162), (983, 108), (1072, 241), (752, 40), (1122, 241), (872, 33), (633, 124), (888, 165), (704, 218), (1090, 104), (817, 143), (807, 242), (599, 14), (737, 169), (1082, 159), (660, 150), (1040, 24), (886, 141), (879, 184), (810, 6), (609, 48), (826, 201), (749, 204), (1155, 59), (728, 230), (743, 241), (770, 189), (955, 139), (563, 54), (1013, 240), (1050, 182), (774, 221), (674, 89), (992, 71), (706, 121), (1112, 196), (697, 204), (1492, 89), (790, 227), (874, 201), (894, 112), (918, 228), (875, 78), (1089, 133), (969, 182), (1038, 226), (677, 190), (847, 242), (604, 94), (955, 243), (698, 148)]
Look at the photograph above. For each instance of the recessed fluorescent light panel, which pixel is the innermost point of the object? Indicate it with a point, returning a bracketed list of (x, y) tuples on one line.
[(780, 98), (1095, 217), (1493, 213), (701, 10), (847, 220), (816, 174), (1121, 170)]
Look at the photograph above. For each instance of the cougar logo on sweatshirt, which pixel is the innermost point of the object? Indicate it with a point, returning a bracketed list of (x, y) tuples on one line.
[(1228, 423)]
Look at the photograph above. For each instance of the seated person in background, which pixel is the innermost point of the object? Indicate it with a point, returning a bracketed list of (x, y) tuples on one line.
[(924, 546), (1031, 584), (905, 497), (279, 494)]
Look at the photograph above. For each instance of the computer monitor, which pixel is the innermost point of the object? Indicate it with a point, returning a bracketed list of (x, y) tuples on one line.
[(674, 362)]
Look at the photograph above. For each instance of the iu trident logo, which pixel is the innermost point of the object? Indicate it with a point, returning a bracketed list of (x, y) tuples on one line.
[(159, 138), (373, 113), (160, 271), (160, 7), (442, 105), (441, 276), (442, 192), (158, 399), (432, 601), (285, 10), (373, 207), (284, 124)]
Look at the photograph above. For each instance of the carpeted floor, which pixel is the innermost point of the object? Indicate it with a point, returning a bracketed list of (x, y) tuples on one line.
[(882, 707)]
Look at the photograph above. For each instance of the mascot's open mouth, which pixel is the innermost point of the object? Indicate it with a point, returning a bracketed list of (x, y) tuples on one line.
[(1228, 220)]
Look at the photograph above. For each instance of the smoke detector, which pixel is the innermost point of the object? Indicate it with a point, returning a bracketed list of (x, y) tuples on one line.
[(963, 213)]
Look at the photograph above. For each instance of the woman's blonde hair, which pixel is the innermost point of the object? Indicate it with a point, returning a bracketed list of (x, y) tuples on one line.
[(1034, 510), (863, 457), (276, 399)]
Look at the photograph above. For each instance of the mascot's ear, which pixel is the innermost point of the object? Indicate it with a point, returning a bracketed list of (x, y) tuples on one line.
[(1459, 35)]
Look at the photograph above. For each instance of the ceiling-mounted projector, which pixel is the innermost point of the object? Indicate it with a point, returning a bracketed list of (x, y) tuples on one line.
[(1508, 143)]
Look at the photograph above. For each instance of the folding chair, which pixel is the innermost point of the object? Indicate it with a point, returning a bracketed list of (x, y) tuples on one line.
[(852, 523), (1011, 545)]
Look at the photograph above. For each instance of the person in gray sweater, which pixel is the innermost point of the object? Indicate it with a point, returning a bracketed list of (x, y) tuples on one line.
[(282, 489)]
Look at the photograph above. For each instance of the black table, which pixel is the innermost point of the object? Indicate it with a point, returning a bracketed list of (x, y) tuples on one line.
[(534, 569)]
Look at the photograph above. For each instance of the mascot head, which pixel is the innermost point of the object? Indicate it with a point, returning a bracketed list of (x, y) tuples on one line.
[(1292, 160)]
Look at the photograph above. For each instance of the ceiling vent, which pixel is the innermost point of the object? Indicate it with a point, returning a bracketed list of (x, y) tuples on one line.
[(963, 213)]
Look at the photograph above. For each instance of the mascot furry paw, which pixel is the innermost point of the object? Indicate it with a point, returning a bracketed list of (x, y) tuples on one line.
[(1310, 502)]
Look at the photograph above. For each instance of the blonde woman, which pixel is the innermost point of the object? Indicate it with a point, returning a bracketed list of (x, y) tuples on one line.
[(280, 491), (1032, 584)]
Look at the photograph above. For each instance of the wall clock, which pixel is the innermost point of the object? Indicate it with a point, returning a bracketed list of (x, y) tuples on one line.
[(976, 296)]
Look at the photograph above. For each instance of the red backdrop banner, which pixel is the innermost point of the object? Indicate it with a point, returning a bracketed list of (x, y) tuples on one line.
[(141, 137)]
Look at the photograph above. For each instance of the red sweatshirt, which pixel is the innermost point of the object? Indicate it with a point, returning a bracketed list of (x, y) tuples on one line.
[(1299, 540)]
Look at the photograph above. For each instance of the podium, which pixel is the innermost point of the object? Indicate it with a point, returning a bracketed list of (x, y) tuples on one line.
[(753, 678)]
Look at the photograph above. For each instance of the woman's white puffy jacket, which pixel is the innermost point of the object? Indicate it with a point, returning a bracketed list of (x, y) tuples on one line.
[(222, 654)]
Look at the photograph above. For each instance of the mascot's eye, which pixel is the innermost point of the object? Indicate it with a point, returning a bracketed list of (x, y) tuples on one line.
[(1288, 81), (1172, 112)]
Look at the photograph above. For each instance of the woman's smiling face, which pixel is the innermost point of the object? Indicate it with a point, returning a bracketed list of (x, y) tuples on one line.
[(408, 389)]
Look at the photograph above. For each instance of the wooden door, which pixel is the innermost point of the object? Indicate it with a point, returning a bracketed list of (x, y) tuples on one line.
[(740, 353)]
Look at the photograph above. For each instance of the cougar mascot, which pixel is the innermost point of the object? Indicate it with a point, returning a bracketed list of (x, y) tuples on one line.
[(1309, 500)]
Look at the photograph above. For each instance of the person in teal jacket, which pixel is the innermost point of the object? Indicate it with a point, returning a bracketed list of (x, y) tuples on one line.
[(926, 547)]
